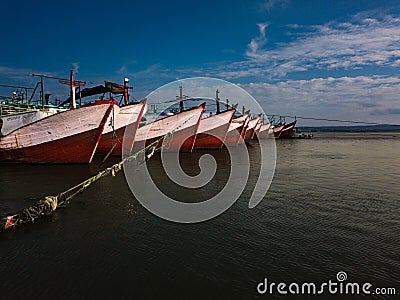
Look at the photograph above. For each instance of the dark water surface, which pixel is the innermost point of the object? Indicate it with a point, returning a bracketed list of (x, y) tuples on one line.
[(334, 205)]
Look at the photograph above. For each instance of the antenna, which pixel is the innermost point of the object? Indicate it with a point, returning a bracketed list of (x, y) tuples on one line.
[(181, 99), (217, 100)]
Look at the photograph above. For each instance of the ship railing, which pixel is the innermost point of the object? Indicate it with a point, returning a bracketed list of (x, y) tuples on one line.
[(6, 109)]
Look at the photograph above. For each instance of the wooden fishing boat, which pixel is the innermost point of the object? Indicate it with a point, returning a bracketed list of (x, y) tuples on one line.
[(257, 130), (277, 130), (287, 130), (251, 129), (241, 140), (233, 134), (14, 117), (213, 130), (121, 123), (236, 130), (264, 131), (71, 136), (18, 110), (181, 129)]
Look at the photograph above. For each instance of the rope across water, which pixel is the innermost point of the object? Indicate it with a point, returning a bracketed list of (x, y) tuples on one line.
[(49, 204)]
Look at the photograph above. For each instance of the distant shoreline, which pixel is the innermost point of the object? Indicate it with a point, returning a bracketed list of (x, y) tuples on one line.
[(368, 128)]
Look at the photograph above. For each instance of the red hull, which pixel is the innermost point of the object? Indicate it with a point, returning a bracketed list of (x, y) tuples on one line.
[(236, 131), (72, 149), (277, 131), (232, 137), (251, 129), (211, 141), (264, 131), (288, 130), (175, 144), (108, 141), (257, 131), (213, 130), (181, 139), (242, 131), (116, 139), (68, 137), (248, 135)]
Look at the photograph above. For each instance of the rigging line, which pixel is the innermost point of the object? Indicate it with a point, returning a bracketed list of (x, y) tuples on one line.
[(333, 120), (189, 99)]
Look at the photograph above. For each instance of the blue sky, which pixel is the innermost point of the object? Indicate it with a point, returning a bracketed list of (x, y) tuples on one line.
[(328, 59)]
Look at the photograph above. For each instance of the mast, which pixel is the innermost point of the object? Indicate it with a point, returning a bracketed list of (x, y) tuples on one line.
[(126, 94), (181, 99), (33, 93), (79, 95), (41, 91), (72, 86), (71, 82), (22, 88), (217, 100)]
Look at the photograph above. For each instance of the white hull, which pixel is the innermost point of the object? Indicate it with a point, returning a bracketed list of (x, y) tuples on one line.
[(11, 122), (264, 131), (120, 128), (233, 136), (69, 136), (121, 117), (183, 126), (213, 130)]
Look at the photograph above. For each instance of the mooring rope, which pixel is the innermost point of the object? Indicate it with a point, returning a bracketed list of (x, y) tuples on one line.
[(49, 204)]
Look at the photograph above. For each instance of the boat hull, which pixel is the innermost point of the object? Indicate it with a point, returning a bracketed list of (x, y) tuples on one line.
[(233, 134), (67, 137), (236, 131), (181, 141), (249, 134), (212, 139), (122, 119), (287, 130), (242, 132), (11, 122), (277, 131), (72, 149), (264, 131), (213, 130), (181, 129), (251, 129), (257, 131)]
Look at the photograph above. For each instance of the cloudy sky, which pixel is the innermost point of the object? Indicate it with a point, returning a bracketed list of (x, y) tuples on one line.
[(325, 59)]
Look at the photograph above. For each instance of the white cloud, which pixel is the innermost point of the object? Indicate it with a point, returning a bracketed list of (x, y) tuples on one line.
[(125, 68), (14, 72), (365, 41), (76, 66), (257, 43), (361, 98), (268, 5)]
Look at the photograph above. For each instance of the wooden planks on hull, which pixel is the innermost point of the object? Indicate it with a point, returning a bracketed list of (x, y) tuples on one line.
[(68, 137)]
